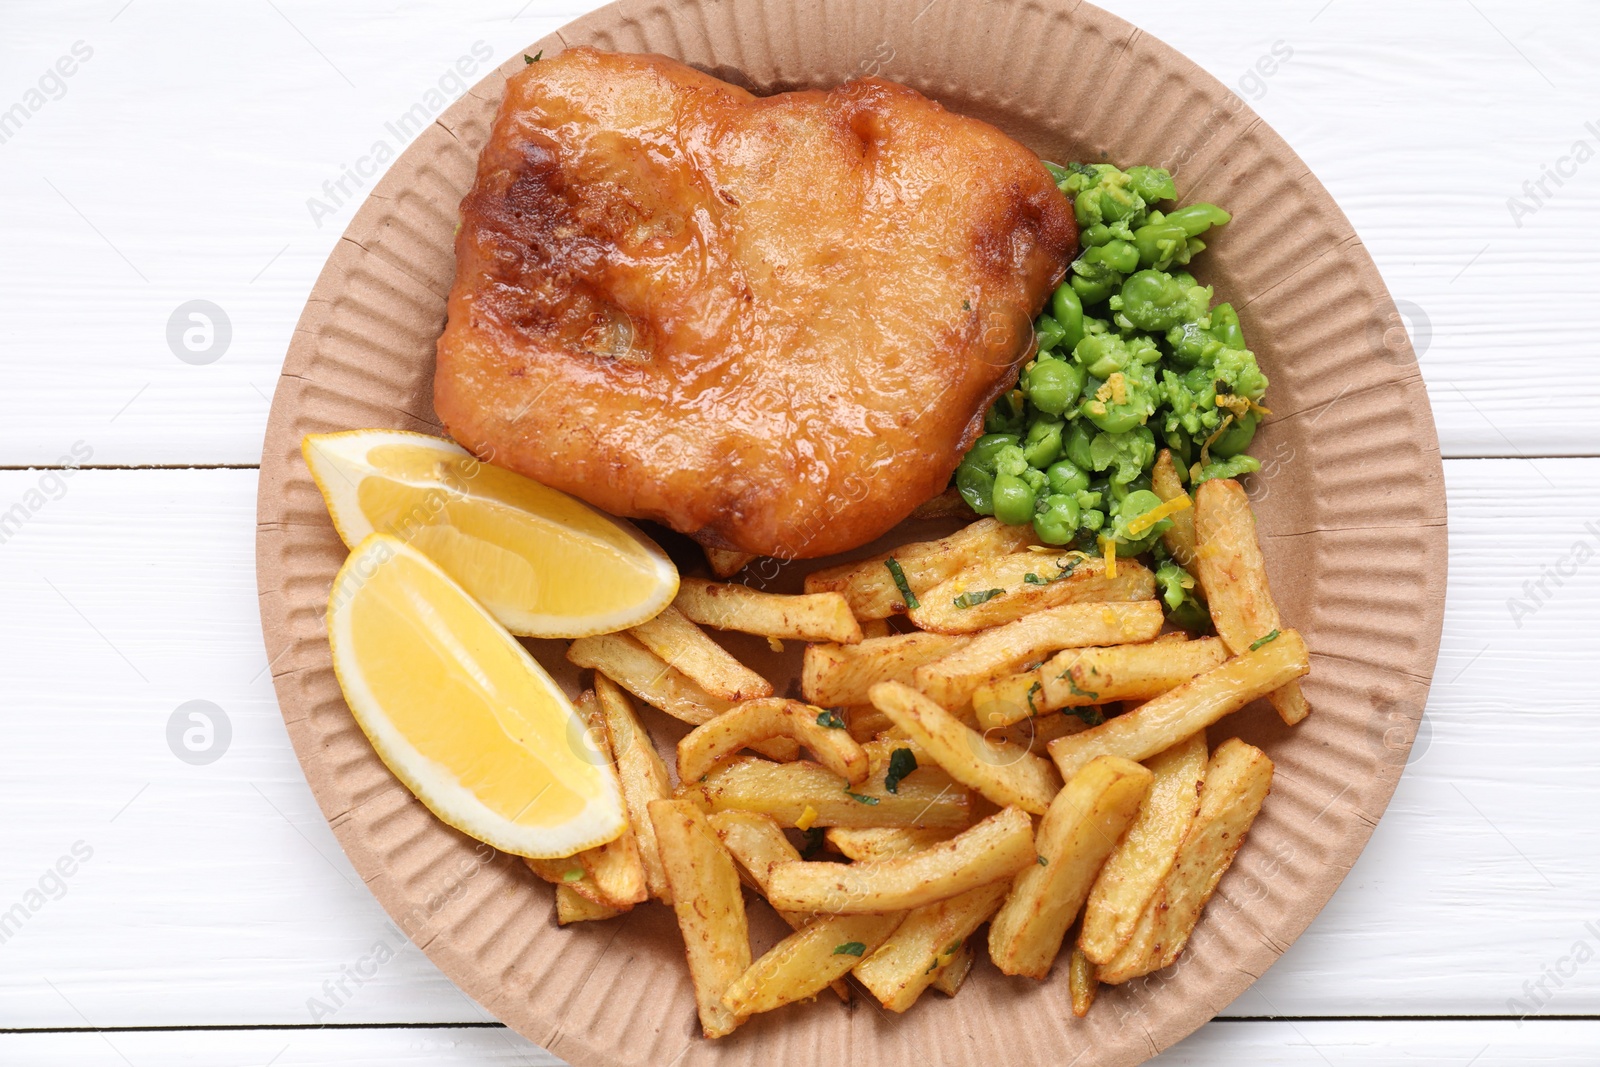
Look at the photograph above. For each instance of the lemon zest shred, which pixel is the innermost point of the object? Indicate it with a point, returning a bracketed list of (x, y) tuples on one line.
[(1109, 546), (1157, 513)]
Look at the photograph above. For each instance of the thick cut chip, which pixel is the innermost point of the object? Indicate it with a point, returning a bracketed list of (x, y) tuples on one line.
[(710, 907), (1075, 836), (1237, 781), (1233, 576), (1136, 867), (809, 299), (1161, 723)]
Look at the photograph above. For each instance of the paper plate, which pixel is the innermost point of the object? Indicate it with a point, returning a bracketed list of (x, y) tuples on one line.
[(1351, 506)]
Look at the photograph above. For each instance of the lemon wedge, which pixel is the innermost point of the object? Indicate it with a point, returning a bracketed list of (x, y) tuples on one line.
[(544, 564), (460, 711)]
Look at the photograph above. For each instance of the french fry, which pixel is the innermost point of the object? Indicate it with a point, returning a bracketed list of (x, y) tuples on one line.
[(875, 628), (947, 505), (647, 676), (615, 867), (1179, 539), (869, 586), (787, 791), (757, 845), (1164, 721), (754, 721), (1035, 733), (1075, 836), (710, 908), (1233, 576), (832, 674), (995, 848), (569, 872), (807, 960), (642, 773), (726, 562), (1059, 577), (623, 659), (926, 943), (882, 842), (1140, 862), (949, 978), (574, 907), (1082, 985), (865, 722), (995, 653), (1002, 773), (1237, 781), (812, 617), (679, 642), (1082, 677)]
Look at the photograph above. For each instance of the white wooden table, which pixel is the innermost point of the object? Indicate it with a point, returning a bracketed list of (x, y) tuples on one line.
[(157, 911)]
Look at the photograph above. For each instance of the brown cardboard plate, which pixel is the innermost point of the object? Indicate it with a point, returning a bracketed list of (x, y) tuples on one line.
[(1351, 506)]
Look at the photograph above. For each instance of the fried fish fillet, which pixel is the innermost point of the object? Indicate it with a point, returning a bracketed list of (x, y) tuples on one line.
[(772, 323)]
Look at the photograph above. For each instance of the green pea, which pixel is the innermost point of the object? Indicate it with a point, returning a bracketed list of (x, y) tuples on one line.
[(1121, 256), (1013, 499), (1068, 311), (1043, 444), (1067, 478), (1057, 523), (1196, 219), (1079, 437), (1225, 326), (1136, 503), (1152, 183), (1095, 276), (1156, 301), (1092, 291), (1092, 520), (1053, 385), (1010, 460), (1237, 437), (1115, 418), (1049, 332), (983, 452), (1095, 235), (976, 487)]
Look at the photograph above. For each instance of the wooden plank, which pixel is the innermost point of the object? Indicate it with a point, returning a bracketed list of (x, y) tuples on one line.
[(217, 895), (1422, 125), (1282, 1043)]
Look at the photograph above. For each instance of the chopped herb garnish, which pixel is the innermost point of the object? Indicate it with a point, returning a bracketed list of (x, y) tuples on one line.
[(1072, 686), (1032, 689), (849, 948), (831, 719), (1258, 642), (900, 582), (1033, 579), (812, 843), (902, 761), (972, 600), (1043, 862), (859, 798), (1090, 715), (526, 58), (1066, 568), (966, 305)]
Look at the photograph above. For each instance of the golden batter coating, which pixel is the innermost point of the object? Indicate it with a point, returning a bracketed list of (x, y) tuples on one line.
[(772, 323)]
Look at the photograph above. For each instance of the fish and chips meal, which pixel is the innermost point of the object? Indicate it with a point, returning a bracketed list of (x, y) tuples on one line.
[(787, 327)]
